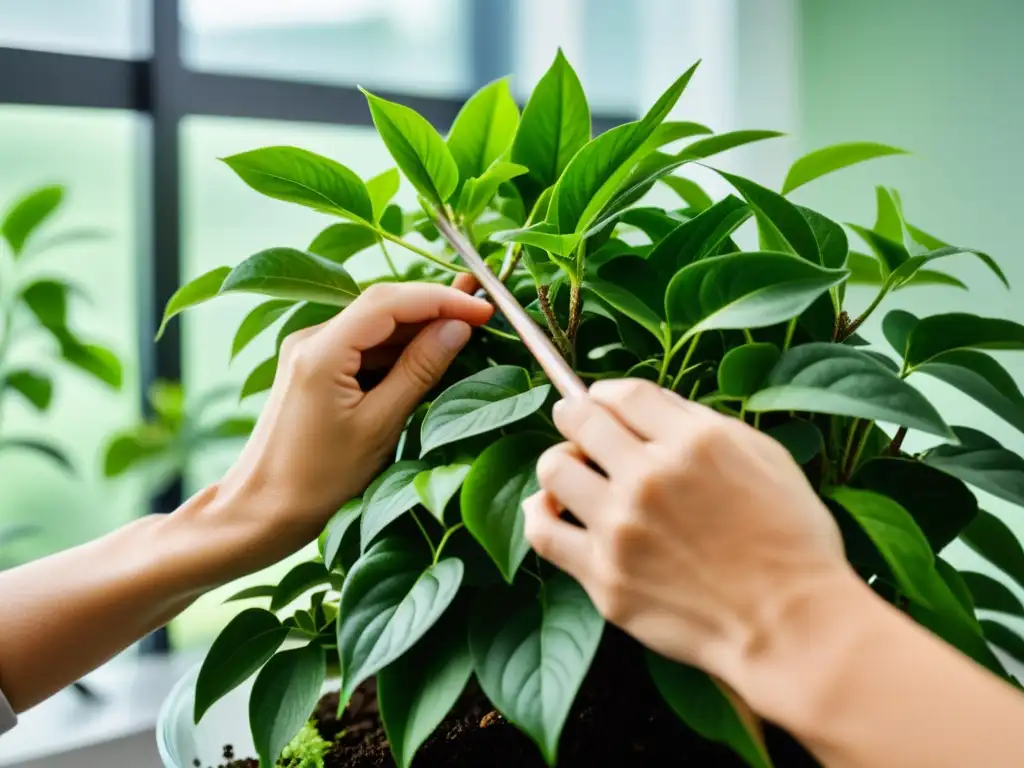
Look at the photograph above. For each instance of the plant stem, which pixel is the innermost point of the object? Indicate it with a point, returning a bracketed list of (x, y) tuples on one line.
[(757, 420), (844, 458), (511, 261), (387, 258), (444, 540), (897, 441), (861, 445), (748, 336), (852, 327), (790, 330), (575, 312), (557, 333), (423, 530), (420, 252), (686, 361)]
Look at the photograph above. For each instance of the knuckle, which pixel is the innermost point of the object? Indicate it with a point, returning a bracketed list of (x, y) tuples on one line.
[(611, 597), (549, 465), (625, 540), (378, 292), (633, 390), (419, 368), (707, 438), (302, 360)]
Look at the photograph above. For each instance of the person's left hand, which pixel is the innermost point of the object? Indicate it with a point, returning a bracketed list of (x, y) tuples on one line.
[(321, 438)]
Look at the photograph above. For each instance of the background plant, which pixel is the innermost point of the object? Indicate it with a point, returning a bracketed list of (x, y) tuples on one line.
[(626, 288)]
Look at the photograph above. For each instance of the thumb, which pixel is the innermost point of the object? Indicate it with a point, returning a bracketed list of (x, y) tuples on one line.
[(418, 369)]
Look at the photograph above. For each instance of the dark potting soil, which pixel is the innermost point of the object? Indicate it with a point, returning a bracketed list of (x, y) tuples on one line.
[(618, 720)]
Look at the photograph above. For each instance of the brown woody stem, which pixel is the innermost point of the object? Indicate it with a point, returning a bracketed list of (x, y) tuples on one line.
[(897, 441), (557, 333)]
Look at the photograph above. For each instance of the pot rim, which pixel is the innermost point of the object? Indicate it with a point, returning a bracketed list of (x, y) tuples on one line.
[(162, 745)]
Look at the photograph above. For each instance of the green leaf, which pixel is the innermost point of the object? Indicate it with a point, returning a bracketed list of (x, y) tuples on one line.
[(673, 130), (801, 438), (242, 647), (283, 697), (955, 581), (744, 290), (554, 127), (1004, 637), (28, 214), (260, 379), (48, 301), (485, 401), (702, 704), (478, 192), (991, 595), (542, 235), (126, 451), (484, 128), (823, 161), (391, 599), (336, 529), (912, 266), (867, 270), (36, 388), (833, 244), (890, 253), (934, 335), (99, 362), (252, 593), (393, 220), (889, 221), (340, 242), (37, 446), (744, 369), (492, 496), (203, 288), (382, 188), (690, 191), (627, 303), (416, 692), (840, 380), (418, 149), (288, 273), (981, 461), (722, 142), (779, 217), (531, 657), (389, 497), (257, 321), (297, 582), (991, 538), (438, 486), (298, 176), (699, 237)]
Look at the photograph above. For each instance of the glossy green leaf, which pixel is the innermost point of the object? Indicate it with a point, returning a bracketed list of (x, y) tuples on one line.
[(744, 290), (340, 242), (866, 270), (653, 222), (389, 497), (934, 335), (126, 451), (257, 321), (416, 692), (484, 128), (554, 127), (991, 595), (391, 599), (288, 273), (627, 303), (393, 220), (337, 528), (744, 369), (1004, 637), (306, 178), (499, 481), (702, 704), (672, 131), (889, 222), (438, 486), (478, 192), (699, 237), (99, 362), (252, 593), (890, 253), (723, 142), (630, 285), (382, 188), (823, 161), (485, 401), (689, 191), (203, 288), (981, 461), (36, 388), (28, 214), (955, 581), (543, 236), (418, 149), (775, 214), (44, 449), (297, 582), (283, 697), (841, 380), (48, 301), (909, 268), (260, 379), (531, 657), (801, 438), (242, 647), (991, 538), (234, 427), (833, 243)]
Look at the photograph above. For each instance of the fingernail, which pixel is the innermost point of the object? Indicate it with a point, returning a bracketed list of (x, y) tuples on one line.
[(453, 334)]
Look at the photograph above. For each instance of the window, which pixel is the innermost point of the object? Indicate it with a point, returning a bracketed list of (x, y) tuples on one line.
[(115, 28)]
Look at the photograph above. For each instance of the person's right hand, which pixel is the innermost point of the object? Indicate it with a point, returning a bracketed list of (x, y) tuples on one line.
[(701, 536)]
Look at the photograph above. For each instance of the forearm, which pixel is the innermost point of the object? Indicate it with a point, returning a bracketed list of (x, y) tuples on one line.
[(64, 615), (862, 686)]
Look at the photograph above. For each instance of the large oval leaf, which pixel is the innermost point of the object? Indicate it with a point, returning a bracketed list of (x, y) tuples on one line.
[(283, 697), (340, 242), (417, 148), (991, 538), (981, 461), (242, 647), (382, 188), (781, 222), (493, 493), (28, 214), (389, 497), (297, 582), (203, 288), (699, 237), (833, 244), (934, 335), (257, 321), (823, 161), (391, 598), (483, 129), (841, 380), (744, 370), (991, 595), (702, 704), (531, 657), (438, 486), (480, 403), (287, 273), (744, 290), (339, 525), (299, 176)]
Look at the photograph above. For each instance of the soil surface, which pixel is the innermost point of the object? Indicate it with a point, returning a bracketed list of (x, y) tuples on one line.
[(618, 720)]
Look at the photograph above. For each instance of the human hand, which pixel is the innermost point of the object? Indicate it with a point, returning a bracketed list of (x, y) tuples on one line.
[(702, 534), (320, 438)]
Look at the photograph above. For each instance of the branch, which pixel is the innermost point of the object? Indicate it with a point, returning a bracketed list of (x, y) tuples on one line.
[(556, 331)]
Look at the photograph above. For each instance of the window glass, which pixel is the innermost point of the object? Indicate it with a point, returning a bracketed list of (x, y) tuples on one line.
[(113, 28)]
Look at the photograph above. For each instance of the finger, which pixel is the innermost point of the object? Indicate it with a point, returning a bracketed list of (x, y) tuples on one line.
[(642, 406), (562, 471), (600, 435), (466, 283), (560, 543), (418, 369)]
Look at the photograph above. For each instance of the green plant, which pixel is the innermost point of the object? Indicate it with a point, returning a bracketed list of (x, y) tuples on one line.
[(427, 581)]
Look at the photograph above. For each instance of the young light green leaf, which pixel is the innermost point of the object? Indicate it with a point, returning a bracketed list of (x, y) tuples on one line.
[(28, 214), (981, 461), (416, 692), (867, 270), (690, 191), (389, 497), (38, 446), (723, 142), (298, 176), (478, 192), (778, 218), (438, 486), (744, 290), (531, 657), (283, 697), (418, 149), (391, 599), (480, 403), (128, 450), (36, 388), (704, 706), (841, 380), (260, 379), (288, 273), (297, 582), (699, 237), (744, 370), (991, 538), (493, 493), (339, 525), (393, 220), (889, 222), (938, 334), (257, 321), (242, 647), (824, 161), (382, 188), (542, 235), (341, 241), (484, 128), (203, 288), (991, 595)]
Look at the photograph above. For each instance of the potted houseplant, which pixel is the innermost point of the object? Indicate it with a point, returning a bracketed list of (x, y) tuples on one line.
[(432, 625)]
